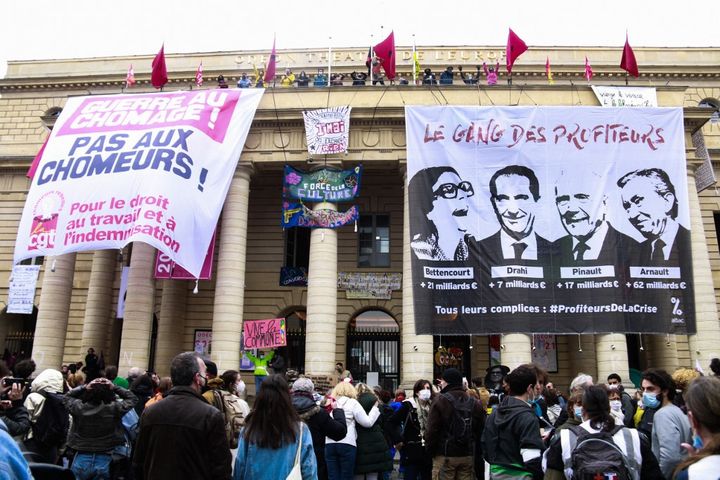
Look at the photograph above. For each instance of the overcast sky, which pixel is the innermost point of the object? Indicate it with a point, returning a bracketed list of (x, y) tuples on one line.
[(51, 29)]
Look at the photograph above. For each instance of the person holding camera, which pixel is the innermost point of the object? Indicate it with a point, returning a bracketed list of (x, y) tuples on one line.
[(97, 425), (12, 412)]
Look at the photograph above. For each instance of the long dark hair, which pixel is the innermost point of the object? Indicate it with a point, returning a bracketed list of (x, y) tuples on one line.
[(703, 401), (229, 377), (596, 406), (273, 420), (98, 394), (421, 196)]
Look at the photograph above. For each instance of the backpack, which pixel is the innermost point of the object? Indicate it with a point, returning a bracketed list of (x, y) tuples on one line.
[(595, 455), (51, 427), (458, 436), (234, 418)]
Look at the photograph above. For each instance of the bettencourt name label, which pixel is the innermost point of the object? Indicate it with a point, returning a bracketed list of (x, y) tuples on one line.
[(448, 273)]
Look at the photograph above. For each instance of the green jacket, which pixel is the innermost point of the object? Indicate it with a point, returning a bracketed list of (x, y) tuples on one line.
[(261, 363)]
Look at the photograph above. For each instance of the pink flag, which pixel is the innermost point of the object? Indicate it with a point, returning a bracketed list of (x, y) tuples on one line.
[(159, 70), (628, 62), (588, 70), (198, 75), (385, 51), (130, 78), (270, 70), (515, 48), (36, 161)]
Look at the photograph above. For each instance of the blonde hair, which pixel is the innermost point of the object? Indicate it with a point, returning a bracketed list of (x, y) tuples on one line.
[(683, 377), (361, 388), (344, 389)]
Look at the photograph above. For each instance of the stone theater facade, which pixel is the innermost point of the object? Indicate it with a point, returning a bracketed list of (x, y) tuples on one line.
[(76, 302)]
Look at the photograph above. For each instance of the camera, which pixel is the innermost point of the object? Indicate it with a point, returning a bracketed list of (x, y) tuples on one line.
[(9, 381)]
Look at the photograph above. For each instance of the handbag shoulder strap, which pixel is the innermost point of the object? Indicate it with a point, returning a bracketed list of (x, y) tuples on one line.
[(297, 454)]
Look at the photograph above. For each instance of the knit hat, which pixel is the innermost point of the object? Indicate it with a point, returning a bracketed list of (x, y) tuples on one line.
[(452, 376), (303, 384)]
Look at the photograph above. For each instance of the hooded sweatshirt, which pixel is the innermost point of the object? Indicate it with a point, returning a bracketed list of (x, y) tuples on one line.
[(49, 381), (512, 441)]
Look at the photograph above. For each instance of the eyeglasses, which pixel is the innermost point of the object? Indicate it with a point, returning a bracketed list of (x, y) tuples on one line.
[(202, 376), (450, 190)]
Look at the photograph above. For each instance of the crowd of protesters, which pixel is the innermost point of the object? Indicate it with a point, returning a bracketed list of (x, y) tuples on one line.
[(89, 423)]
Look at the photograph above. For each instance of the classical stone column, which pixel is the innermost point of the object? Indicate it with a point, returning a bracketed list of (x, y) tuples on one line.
[(416, 351), (97, 322), (704, 345), (139, 308), (171, 324), (663, 351), (230, 283), (321, 327), (583, 361), (518, 349), (611, 353), (53, 312)]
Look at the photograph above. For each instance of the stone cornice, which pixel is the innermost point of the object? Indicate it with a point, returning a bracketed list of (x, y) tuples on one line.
[(657, 66)]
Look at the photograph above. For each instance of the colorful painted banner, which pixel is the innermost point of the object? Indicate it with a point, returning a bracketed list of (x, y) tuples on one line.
[(124, 168), (327, 130), (293, 277), (368, 285), (549, 220), (609, 96), (324, 185), (21, 294), (298, 215), (264, 333), (165, 268)]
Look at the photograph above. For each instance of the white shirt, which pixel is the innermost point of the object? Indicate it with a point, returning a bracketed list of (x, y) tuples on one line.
[(354, 413), (595, 243), (668, 236), (507, 242)]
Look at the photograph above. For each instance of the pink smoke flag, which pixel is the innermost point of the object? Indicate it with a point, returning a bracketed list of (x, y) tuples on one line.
[(628, 62), (588, 70), (198, 75), (159, 70), (36, 161), (271, 65), (130, 77), (515, 48), (385, 51)]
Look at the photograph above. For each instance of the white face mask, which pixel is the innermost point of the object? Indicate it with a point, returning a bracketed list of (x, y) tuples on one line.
[(240, 387), (615, 405), (424, 395)]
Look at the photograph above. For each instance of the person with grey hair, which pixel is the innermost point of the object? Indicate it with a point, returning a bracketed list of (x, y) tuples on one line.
[(580, 383), (183, 436), (651, 204), (321, 423)]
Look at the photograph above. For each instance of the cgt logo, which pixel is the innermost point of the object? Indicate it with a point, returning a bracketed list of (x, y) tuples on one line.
[(44, 223)]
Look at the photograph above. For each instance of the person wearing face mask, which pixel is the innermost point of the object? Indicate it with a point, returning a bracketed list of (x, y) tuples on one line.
[(407, 434), (183, 436), (703, 403), (512, 444), (664, 423), (616, 406)]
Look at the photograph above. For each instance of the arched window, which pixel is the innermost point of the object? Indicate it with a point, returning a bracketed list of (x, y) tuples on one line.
[(373, 346), (715, 105)]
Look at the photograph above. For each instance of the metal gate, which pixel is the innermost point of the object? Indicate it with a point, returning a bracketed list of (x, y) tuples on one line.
[(374, 352)]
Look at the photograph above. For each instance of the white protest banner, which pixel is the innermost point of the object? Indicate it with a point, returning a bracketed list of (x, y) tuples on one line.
[(151, 167), (21, 295), (626, 96), (327, 130)]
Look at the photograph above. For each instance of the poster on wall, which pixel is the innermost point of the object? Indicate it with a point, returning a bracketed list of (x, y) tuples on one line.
[(21, 292), (203, 342), (298, 215), (125, 168), (324, 185), (263, 334), (327, 130), (544, 352), (549, 220)]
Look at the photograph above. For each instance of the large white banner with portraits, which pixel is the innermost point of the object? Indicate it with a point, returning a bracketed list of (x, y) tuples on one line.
[(150, 167), (549, 220)]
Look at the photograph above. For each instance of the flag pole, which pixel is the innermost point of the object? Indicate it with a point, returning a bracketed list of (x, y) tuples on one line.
[(414, 52), (329, 61)]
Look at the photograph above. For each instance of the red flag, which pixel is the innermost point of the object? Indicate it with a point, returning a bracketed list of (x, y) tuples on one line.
[(270, 70), (159, 70), (198, 75), (588, 70), (515, 48), (36, 160), (130, 77), (628, 62), (548, 71), (385, 51)]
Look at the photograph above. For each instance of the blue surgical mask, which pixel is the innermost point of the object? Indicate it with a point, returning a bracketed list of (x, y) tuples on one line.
[(650, 400), (697, 442), (578, 413)]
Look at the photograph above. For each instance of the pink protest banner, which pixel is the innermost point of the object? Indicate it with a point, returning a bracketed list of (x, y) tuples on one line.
[(166, 268), (264, 333), (152, 167)]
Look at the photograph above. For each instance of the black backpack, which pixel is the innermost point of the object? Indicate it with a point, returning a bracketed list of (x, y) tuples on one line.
[(596, 454), (458, 436), (51, 427)]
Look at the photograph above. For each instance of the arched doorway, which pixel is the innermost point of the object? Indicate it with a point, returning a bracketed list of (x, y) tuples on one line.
[(294, 352), (17, 332), (373, 346)]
